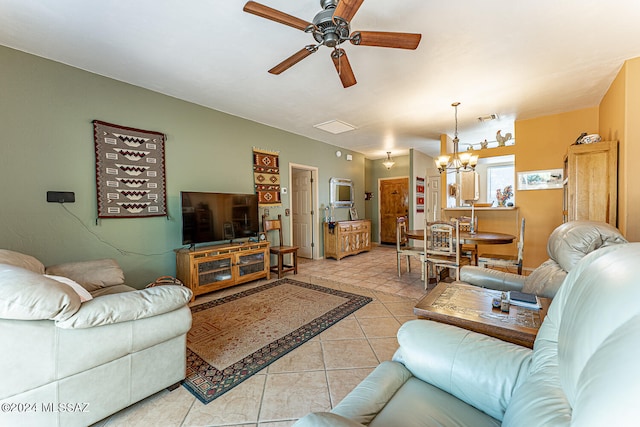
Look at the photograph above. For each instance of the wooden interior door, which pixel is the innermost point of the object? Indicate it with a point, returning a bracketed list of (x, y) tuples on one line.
[(394, 202)]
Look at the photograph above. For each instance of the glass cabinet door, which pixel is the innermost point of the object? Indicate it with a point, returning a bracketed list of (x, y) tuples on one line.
[(213, 271), (251, 263)]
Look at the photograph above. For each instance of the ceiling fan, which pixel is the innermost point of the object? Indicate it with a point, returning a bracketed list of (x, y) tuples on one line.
[(331, 27)]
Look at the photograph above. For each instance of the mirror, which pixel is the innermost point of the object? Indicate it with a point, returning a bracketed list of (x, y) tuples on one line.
[(341, 192)]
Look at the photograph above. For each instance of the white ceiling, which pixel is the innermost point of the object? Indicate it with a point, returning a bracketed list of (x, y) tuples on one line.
[(517, 59)]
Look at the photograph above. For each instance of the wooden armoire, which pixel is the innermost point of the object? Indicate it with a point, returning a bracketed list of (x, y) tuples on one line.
[(591, 182)]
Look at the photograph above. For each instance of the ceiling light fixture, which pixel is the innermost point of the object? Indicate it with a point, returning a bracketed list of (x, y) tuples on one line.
[(465, 161), (488, 118), (389, 162)]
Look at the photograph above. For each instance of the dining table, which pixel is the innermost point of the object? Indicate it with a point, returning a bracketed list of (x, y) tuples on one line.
[(469, 238), (477, 238)]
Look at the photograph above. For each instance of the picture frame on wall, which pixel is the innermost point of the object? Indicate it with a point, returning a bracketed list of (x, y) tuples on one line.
[(540, 180), (353, 213)]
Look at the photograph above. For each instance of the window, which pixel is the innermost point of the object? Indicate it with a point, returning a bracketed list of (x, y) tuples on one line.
[(499, 177)]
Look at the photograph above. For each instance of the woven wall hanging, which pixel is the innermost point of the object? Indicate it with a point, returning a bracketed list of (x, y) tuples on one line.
[(130, 171), (266, 175)]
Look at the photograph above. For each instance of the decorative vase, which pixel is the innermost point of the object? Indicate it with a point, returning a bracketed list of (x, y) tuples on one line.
[(502, 203)]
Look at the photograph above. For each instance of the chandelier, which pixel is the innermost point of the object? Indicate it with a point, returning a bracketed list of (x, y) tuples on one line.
[(465, 161), (389, 162)]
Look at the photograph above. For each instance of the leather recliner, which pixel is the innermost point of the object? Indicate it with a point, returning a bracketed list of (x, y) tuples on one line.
[(567, 245), (582, 370)]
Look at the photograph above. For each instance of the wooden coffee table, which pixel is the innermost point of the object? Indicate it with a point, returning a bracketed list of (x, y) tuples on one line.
[(469, 307)]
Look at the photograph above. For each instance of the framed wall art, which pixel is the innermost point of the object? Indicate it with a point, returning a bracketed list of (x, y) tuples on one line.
[(419, 194), (540, 180), (353, 213), (130, 171)]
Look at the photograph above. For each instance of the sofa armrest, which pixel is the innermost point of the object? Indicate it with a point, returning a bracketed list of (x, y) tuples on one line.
[(364, 402), (127, 306), (479, 370), (325, 419), (492, 279)]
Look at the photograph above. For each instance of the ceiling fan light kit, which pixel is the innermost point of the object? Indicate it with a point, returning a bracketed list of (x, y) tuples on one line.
[(331, 27)]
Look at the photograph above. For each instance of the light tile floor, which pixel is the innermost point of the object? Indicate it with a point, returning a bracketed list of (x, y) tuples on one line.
[(318, 374)]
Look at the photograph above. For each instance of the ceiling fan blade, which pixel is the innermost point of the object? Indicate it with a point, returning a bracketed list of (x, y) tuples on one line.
[(293, 59), (275, 15), (386, 39), (340, 60), (346, 9)]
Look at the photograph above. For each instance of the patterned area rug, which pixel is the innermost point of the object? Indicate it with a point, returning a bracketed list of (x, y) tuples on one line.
[(234, 337)]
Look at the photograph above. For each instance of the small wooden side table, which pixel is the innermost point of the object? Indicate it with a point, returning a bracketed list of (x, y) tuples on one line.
[(469, 307)]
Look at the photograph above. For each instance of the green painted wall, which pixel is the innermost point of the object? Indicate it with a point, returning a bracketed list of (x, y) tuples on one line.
[(375, 171), (46, 143)]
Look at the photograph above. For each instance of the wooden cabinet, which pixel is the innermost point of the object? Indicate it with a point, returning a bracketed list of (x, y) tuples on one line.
[(216, 267), (469, 186), (591, 185), (347, 238)]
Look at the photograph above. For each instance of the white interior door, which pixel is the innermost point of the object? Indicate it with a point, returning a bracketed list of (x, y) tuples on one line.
[(433, 198), (302, 211)]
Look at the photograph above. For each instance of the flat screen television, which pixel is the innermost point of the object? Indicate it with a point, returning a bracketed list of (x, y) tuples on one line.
[(218, 217)]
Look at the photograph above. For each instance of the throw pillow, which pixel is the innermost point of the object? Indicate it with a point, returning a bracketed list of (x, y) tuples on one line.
[(77, 287), (92, 275), (25, 295), (21, 260)]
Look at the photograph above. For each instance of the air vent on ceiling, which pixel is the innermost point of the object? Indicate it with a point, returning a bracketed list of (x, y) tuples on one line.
[(335, 127)]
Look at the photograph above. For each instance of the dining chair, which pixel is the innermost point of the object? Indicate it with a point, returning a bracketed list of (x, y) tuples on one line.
[(442, 249), (506, 261), (403, 248), (468, 250), (280, 250)]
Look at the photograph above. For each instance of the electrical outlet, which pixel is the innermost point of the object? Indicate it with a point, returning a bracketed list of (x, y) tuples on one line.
[(61, 196)]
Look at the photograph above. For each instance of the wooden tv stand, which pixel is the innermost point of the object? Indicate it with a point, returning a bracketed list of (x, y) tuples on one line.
[(211, 268), (347, 238)]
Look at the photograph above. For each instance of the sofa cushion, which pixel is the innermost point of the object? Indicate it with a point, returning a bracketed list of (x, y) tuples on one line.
[(91, 275), (21, 260), (477, 369), (77, 287), (126, 306), (418, 404), (25, 295)]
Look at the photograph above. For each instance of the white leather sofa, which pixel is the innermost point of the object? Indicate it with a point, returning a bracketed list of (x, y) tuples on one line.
[(566, 245), (64, 362), (582, 371)]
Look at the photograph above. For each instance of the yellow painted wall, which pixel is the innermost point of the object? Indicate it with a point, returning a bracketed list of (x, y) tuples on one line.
[(619, 112), (632, 151), (541, 143)]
